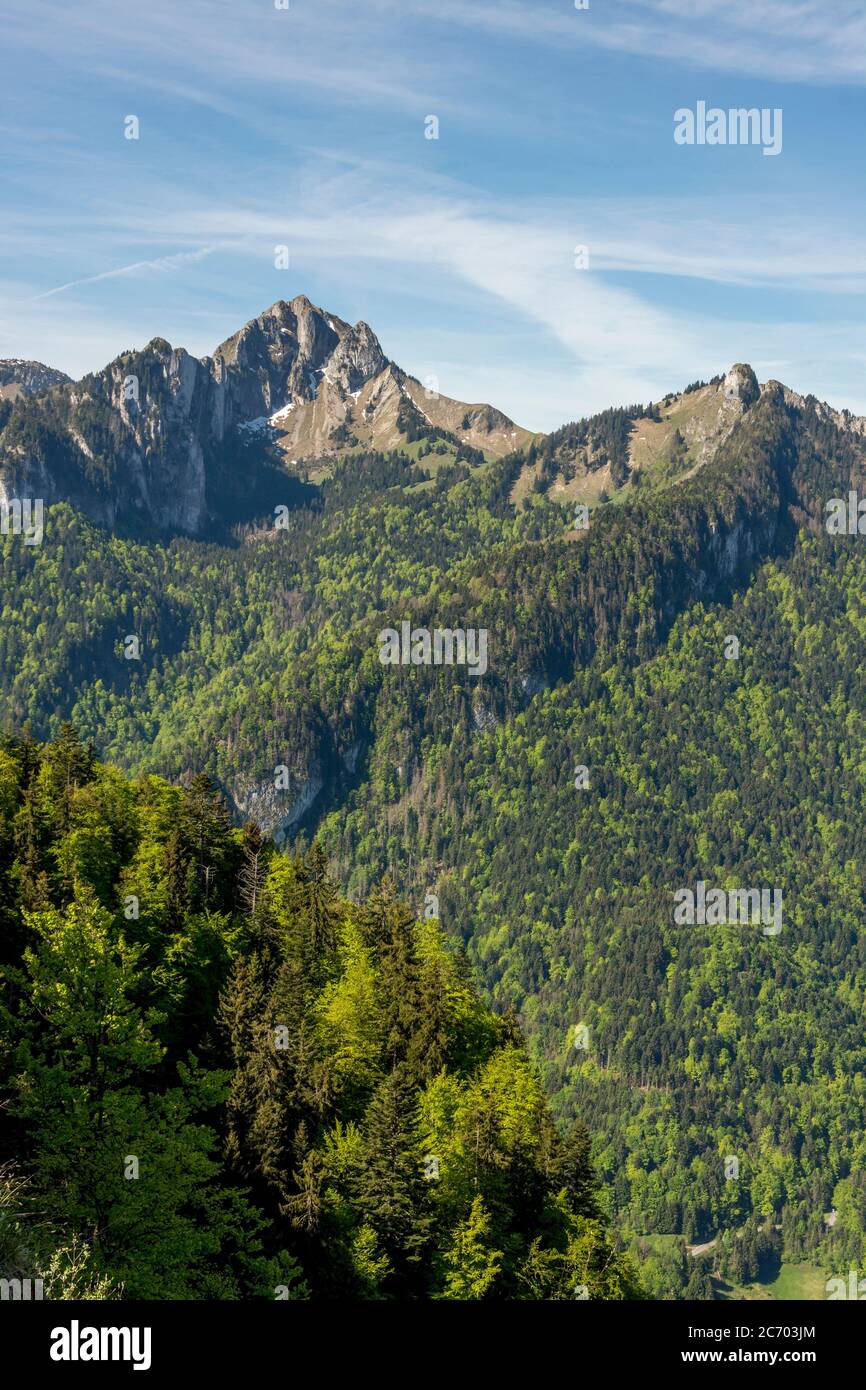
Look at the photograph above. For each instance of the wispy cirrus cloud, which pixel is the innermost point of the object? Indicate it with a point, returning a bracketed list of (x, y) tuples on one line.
[(210, 52), (390, 53), (613, 332), (814, 41), (160, 265)]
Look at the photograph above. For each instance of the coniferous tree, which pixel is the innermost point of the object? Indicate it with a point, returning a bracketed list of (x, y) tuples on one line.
[(472, 1263), (577, 1171), (391, 1192)]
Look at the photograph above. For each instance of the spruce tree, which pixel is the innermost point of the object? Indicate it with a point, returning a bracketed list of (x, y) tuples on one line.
[(577, 1171), (392, 1195)]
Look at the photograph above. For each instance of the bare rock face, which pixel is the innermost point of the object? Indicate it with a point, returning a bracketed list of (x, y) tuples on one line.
[(741, 384), (357, 358), (277, 358), (124, 441), (278, 811), (282, 357)]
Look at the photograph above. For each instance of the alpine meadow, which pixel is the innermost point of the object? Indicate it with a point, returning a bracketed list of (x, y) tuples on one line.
[(433, 828)]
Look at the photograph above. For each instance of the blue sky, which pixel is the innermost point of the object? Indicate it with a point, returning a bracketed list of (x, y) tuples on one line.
[(305, 127)]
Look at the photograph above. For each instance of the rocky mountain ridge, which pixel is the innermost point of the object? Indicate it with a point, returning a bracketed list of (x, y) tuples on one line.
[(22, 377), (163, 442), (168, 441)]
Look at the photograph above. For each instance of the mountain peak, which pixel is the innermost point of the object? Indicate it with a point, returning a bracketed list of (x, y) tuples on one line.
[(742, 384), (188, 434), (160, 347), (22, 377)]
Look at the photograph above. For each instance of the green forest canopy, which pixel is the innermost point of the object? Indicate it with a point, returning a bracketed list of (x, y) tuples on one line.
[(223, 1080)]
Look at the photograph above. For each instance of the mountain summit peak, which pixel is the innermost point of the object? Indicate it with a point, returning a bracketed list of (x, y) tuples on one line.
[(742, 384)]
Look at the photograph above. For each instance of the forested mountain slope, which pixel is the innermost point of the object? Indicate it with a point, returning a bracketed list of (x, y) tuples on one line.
[(618, 747)]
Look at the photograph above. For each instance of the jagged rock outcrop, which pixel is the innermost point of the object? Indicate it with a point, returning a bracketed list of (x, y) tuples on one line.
[(278, 357), (741, 384), (276, 809)]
